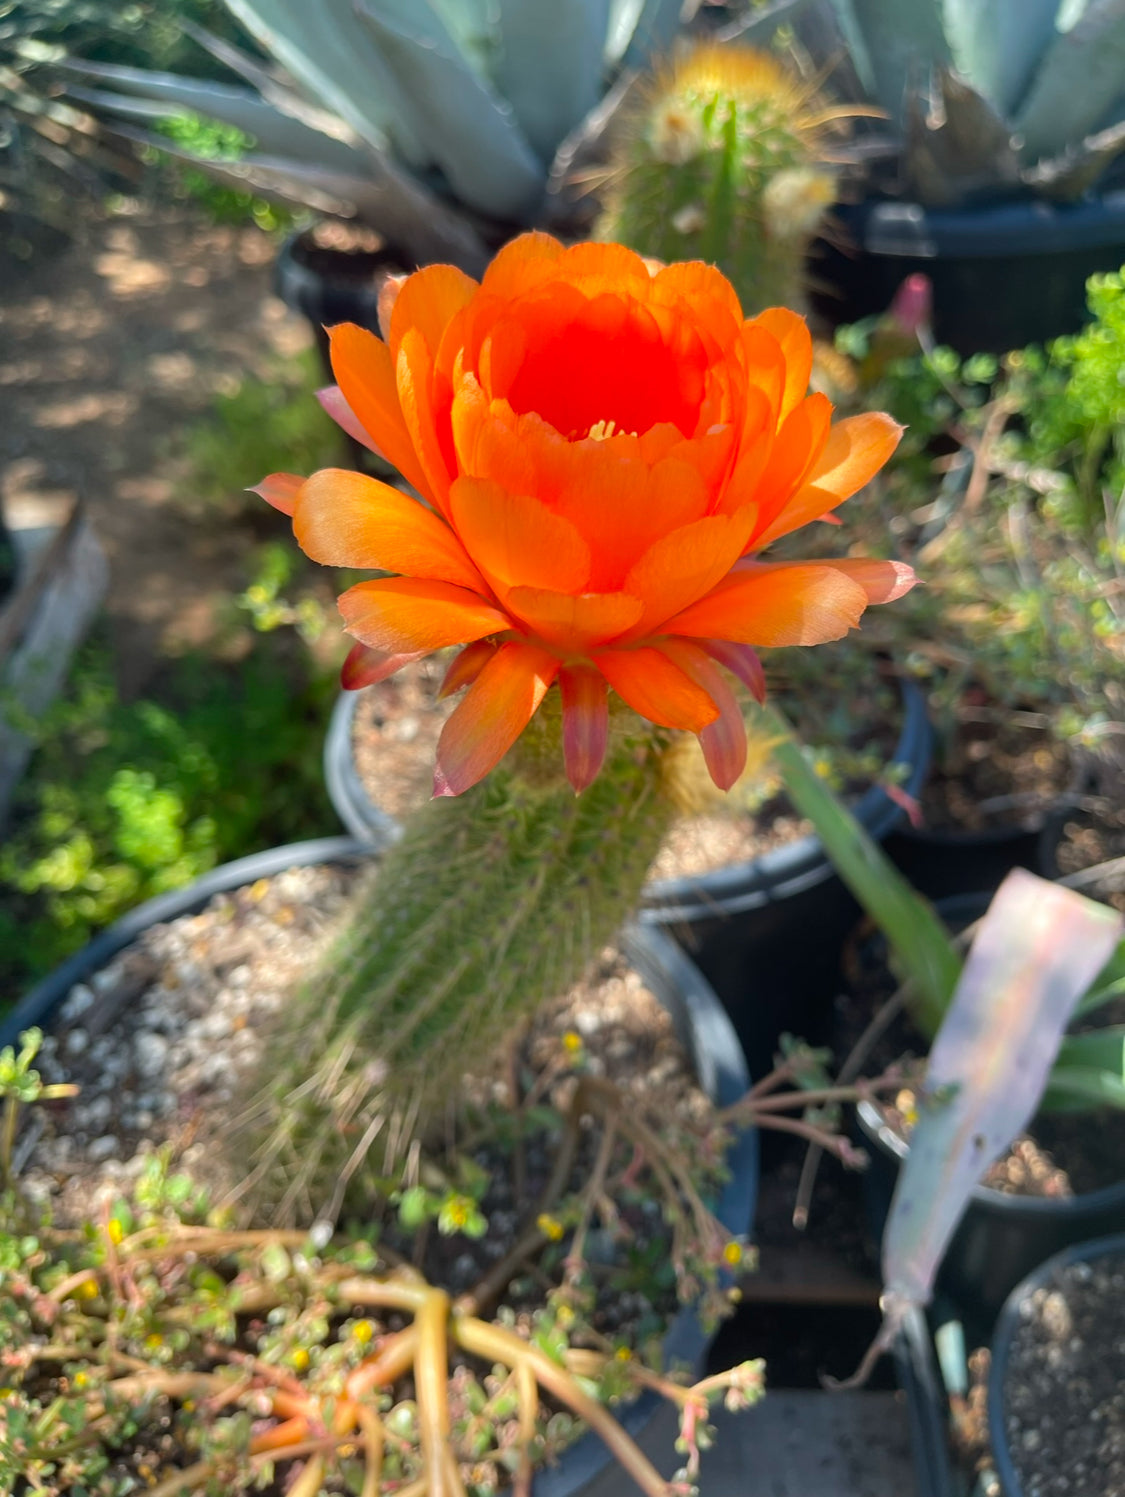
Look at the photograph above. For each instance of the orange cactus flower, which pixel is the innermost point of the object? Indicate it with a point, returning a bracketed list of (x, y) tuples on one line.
[(602, 446)]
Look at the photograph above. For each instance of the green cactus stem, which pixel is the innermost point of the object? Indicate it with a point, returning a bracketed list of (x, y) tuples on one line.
[(724, 162), (491, 903)]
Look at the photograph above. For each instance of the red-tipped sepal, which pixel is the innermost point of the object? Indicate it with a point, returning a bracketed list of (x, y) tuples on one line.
[(332, 399), (743, 663), (466, 667), (723, 741), (280, 490), (365, 666), (585, 708)]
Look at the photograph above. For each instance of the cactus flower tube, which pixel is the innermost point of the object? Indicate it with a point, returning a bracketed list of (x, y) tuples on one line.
[(601, 449), (603, 446)]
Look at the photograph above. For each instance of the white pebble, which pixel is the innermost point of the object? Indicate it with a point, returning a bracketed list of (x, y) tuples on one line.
[(76, 1042), (102, 1148), (151, 1051), (77, 1002)]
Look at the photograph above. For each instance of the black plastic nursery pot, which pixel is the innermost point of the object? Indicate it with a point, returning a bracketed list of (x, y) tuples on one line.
[(701, 1025), (766, 934), (941, 863), (1007, 1327), (1003, 275), (1001, 1238)]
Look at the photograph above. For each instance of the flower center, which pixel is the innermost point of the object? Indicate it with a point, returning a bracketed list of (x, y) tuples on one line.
[(608, 369)]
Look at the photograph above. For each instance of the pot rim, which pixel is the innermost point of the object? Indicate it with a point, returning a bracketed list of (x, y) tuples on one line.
[(700, 1021), (730, 890)]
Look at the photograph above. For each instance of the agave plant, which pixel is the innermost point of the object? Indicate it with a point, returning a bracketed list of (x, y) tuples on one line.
[(432, 120), (1014, 95)]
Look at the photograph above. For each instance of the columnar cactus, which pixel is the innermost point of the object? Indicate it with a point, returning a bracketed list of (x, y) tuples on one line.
[(723, 162)]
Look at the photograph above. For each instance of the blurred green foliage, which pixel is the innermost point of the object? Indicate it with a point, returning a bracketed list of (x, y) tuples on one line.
[(125, 799), (212, 141), (1008, 496), (265, 426)]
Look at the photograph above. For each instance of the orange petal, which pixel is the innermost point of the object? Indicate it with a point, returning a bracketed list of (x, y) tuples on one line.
[(521, 264), (280, 490), (346, 519), (428, 300), (402, 614), (882, 581), (801, 604), (792, 333), (517, 541), (414, 371), (364, 667), (856, 449), (597, 268), (685, 565), (488, 720), (365, 373), (388, 295), (585, 724), (706, 295), (724, 741), (332, 399), (798, 444), (656, 688), (466, 667), (573, 623), (764, 364)]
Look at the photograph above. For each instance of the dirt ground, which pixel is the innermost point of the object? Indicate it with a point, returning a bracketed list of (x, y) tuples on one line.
[(107, 350)]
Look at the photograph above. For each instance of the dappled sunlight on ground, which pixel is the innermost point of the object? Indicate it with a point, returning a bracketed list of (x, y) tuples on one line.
[(107, 352)]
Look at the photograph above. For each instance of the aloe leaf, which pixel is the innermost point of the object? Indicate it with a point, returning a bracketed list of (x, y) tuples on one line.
[(997, 44), (404, 211), (641, 31), (894, 45), (1036, 952), (551, 64), (918, 940), (267, 82), (1078, 1088), (160, 94), (331, 54), (1079, 78), (1109, 983), (470, 133)]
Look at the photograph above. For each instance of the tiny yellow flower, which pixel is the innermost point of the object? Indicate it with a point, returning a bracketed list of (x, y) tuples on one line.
[(564, 1316), (623, 1354), (550, 1226), (88, 1289), (81, 1379), (732, 1254), (363, 1330), (188, 1405), (115, 1231), (299, 1359), (154, 1341), (572, 1041)]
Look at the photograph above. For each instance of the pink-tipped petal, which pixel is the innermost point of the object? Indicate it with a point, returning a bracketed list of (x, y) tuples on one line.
[(388, 295), (743, 663), (491, 716), (280, 490), (365, 666), (466, 667), (332, 399), (723, 741), (585, 724)]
